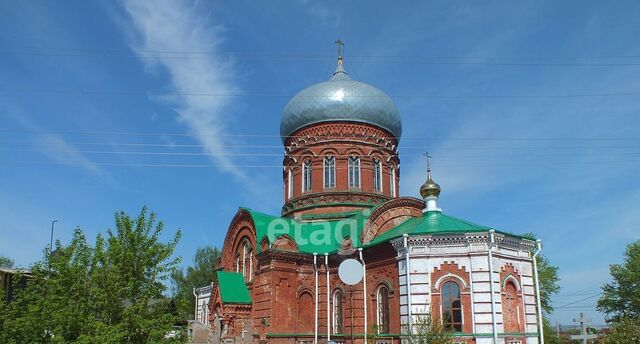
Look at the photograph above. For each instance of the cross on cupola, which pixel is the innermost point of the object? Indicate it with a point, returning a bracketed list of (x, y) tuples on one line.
[(340, 73), (430, 190), (339, 44)]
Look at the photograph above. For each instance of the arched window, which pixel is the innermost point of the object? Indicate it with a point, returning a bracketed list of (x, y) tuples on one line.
[(290, 184), (451, 306), (337, 312), (392, 185), (382, 311), (306, 176), (377, 175), (329, 172), (244, 261), (305, 313), (354, 172), (511, 308)]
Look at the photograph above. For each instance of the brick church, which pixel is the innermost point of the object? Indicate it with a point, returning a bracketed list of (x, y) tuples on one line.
[(279, 282)]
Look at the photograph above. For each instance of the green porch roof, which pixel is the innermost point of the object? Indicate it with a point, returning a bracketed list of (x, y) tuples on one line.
[(233, 289)]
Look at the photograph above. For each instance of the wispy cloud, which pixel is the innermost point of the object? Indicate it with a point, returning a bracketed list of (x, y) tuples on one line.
[(169, 26), (54, 146)]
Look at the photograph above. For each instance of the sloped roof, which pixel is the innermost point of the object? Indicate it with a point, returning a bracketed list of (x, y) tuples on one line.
[(274, 227), (432, 222), (233, 289)]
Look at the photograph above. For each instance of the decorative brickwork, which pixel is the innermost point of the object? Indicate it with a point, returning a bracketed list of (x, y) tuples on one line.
[(451, 272), (391, 214), (512, 306), (339, 140)]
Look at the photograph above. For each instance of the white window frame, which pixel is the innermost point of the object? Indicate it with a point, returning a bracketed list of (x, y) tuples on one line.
[(290, 184), (378, 313), (377, 175), (331, 170), (354, 172), (306, 182), (334, 311), (393, 182)]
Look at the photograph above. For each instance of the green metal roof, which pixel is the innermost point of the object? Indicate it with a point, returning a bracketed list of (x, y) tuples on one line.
[(432, 222), (233, 289), (273, 227)]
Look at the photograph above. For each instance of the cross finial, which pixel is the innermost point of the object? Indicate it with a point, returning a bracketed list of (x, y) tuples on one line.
[(340, 44), (427, 156)]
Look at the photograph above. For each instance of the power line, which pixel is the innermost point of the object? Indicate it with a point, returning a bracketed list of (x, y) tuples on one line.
[(253, 135), (532, 163), (279, 155), (404, 59), (578, 301), (282, 95)]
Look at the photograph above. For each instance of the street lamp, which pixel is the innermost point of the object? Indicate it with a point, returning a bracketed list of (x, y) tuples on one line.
[(53, 223)]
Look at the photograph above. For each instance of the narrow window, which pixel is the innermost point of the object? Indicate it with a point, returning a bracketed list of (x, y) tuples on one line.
[(451, 306), (354, 172), (337, 312), (290, 184), (377, 175), (306, 176), (511, 308), (393, 182), (329, 172), (382, 301)]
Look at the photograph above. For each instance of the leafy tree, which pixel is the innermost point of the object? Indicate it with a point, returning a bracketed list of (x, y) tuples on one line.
[(109, 293), (621, 297), (625, 331), (6, 262), (200, 274), (426, 329), (548, 278)]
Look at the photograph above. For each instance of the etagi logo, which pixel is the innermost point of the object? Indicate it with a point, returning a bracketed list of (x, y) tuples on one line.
[(315, 233)]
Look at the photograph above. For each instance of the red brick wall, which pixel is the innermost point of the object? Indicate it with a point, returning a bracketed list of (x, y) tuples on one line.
[(340, 140)]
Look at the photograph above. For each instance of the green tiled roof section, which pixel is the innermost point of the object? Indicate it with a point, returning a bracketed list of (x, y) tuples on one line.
[(433, 222), (232, 288), (274, 227)]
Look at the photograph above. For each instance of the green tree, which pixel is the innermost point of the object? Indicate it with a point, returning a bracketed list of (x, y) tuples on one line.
[(6, 262), (200, 274), (625, 331), (621, 297), (109, 293), (426, 329), (549, 286)]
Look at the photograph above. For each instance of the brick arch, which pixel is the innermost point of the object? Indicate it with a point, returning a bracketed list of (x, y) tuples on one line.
[(285, 243), (446, 272), (305, 311), (354, 151), (241, 227), (389, 215), (329, 151), (511, 292)]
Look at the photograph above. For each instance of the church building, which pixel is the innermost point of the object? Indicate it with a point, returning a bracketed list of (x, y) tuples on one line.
[(278, 280)]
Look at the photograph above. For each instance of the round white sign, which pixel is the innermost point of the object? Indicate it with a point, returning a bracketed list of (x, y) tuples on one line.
[(350, 271)]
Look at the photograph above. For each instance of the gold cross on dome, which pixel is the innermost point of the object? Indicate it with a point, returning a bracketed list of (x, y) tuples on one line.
[(427, 156)]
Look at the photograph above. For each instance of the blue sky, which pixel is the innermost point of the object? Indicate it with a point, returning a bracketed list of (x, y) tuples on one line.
[(529, 108)]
